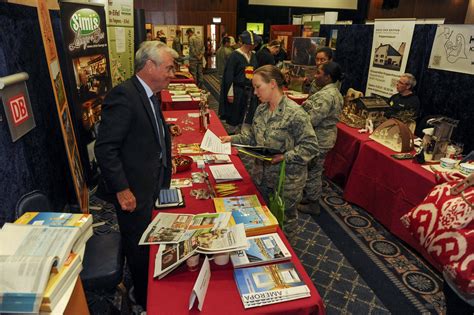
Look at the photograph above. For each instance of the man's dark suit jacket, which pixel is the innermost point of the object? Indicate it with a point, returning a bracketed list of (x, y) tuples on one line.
[(127, 146)]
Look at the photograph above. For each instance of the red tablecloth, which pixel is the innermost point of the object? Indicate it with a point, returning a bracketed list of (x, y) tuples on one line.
[(388, 188), (167, 103), (170, 295), (342, 156)]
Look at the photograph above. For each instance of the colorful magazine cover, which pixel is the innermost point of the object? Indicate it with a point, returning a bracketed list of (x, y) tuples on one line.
[(267, 248), (270, 284)]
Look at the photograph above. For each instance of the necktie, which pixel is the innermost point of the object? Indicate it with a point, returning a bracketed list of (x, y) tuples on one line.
[(161, 131)]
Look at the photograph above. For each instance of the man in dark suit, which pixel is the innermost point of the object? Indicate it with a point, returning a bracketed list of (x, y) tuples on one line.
[(133, 149)]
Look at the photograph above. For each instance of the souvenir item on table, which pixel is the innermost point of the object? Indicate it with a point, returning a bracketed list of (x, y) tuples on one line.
[(198, 177), (443, 224), (437, 139), (200, 193), (360, 112), (395, 135), (204, 117), (181, 182), (182, 162)]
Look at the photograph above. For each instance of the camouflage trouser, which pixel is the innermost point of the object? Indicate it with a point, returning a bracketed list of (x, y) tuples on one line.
[(292, 195), (195, 68), (313, 189)]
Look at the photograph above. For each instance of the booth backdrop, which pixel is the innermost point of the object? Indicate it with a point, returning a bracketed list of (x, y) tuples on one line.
[(441, 92), (38, 159)]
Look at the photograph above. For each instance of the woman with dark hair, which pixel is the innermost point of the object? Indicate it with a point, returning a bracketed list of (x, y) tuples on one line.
[(324, 108), (323, 55), (283, 126)]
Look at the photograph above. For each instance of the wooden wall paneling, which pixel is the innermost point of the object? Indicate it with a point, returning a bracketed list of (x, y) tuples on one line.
[(405, 9), (454, 11)]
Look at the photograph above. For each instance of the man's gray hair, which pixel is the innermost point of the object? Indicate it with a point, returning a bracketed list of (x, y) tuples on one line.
[(152, 50), (411, 79)]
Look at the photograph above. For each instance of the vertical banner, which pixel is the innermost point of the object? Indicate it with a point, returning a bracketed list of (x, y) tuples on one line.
[(69, 136), (87, 61), (121, 40), (390, 48), (453, 49)]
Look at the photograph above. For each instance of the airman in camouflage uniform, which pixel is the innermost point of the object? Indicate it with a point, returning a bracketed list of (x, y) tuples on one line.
[(324, 108), (286, 129)]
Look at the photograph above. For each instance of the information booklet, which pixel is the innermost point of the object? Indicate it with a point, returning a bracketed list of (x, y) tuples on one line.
[(270, 284), (247, 210), (267, 248), (208, 241), (174, 227), (61, 219), (225, 173)]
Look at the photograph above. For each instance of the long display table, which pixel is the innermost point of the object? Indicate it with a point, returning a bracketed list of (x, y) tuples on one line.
[(170, 295)]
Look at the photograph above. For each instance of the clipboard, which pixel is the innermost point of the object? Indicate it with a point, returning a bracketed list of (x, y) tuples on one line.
[(169, 198)]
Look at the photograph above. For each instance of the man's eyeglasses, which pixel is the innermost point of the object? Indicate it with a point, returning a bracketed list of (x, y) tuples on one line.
[(404, 83)]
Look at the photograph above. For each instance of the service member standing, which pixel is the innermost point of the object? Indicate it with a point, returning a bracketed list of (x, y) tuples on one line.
[(133, 149), (282, 125), (324, 107), (196, 54)]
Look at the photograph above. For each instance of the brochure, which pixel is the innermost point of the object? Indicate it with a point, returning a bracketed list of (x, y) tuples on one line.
[(267, 248), (174, 228), (270, 284), (208, 241)]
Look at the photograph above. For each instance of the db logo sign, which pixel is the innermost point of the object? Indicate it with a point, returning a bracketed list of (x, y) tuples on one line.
[(18, 109)]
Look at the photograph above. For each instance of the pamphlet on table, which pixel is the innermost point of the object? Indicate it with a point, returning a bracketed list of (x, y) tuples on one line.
[(207, 241), (263, 249), (225, 173), (174, 228), (247, 210), (270, 284)]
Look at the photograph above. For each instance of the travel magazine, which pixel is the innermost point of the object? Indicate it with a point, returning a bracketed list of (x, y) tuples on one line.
[(174, 228), (204, 241), (263, 249), (270, 284)]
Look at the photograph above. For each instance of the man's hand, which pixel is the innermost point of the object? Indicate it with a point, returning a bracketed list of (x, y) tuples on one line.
[(230, 99), (225, 139), (127, 200), (175, 130), (277, 158)]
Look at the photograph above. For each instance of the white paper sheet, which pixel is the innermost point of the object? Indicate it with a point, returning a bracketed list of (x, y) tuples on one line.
[(213, 144)]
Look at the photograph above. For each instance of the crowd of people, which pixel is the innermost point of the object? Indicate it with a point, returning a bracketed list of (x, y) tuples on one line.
[(134, 142)]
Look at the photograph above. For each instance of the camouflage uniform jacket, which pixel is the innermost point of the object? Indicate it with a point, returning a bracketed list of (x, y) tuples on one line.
[(324, 107), (288, 129), (315, 88), (196, 48)]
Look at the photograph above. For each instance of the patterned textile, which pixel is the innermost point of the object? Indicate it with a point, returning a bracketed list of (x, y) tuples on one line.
[(444, 225)]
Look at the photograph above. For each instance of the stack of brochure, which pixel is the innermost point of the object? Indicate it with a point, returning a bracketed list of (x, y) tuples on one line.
[(49, 255), (183, 235), (263, 249), (225, 173), (259, 286), (257, 219)]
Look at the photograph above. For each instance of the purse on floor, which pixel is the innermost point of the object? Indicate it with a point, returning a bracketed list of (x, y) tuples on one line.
[(277, 203)]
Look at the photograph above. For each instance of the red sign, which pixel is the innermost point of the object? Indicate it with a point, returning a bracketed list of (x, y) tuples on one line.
[(18, 109)]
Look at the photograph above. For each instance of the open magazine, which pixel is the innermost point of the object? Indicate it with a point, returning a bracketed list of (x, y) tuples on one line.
[(205, 241), (174, 228)]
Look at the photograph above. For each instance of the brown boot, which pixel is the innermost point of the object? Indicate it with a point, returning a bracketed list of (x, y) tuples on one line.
[(310, 208)]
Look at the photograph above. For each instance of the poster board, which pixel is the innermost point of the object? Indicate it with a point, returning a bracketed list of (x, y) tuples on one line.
[(453, 49), (75, 165), (285, 34), (390, 47)]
